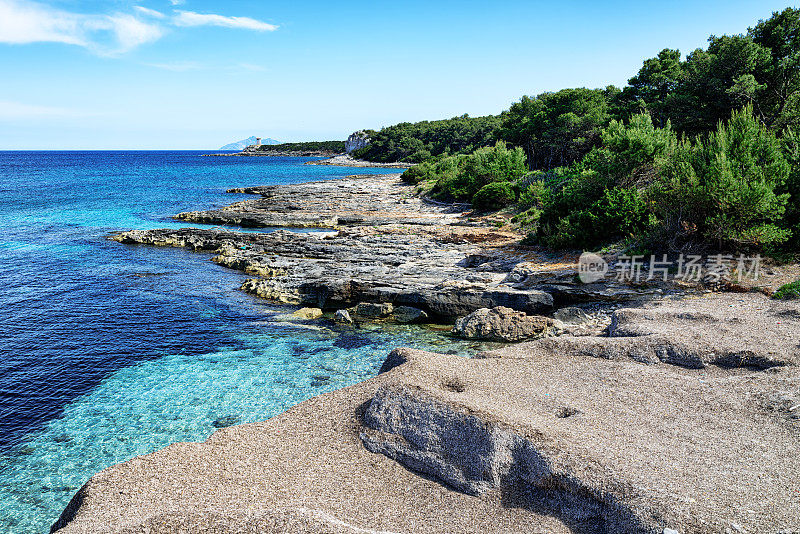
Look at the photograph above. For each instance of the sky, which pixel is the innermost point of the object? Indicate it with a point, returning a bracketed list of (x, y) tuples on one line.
[(197, 74)]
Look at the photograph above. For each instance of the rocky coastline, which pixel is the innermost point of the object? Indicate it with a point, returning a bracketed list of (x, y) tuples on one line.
[(627, 407), (333, 159), (276, 153), (346, 160)]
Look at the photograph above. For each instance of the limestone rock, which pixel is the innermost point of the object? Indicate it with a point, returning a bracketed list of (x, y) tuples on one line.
[(608, 446), (501, 324), (408, 314), (551, 439), (308, 313), (374, 310), (305, 471), (572, 315), (748, 331), (356, 141)]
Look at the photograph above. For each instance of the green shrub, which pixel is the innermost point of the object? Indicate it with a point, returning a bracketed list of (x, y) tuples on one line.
[(532, 192), (416, 174), (617, 214), (632, 152), (726, 188), (528, 218), (460, 177), (600, 199), (791, 219), (494, 196), (788, 291)]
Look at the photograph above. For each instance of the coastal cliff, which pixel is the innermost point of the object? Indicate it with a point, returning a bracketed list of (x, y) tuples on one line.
[(676, 410), (356, 141)]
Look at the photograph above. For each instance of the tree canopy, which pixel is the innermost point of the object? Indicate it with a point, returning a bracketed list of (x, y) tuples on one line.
[(420, 141)]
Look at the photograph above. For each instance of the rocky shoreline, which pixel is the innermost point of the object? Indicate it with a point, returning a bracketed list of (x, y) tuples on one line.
[(332, 158), (648, 408), (346, 160), (277, 153)]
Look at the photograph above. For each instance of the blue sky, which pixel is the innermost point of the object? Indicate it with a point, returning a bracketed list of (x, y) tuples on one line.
[(196, 74)]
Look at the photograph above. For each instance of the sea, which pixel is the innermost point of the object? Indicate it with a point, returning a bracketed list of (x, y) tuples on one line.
[(110, 351)]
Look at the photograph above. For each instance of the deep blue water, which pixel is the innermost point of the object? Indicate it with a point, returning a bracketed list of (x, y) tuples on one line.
[(110, 351)]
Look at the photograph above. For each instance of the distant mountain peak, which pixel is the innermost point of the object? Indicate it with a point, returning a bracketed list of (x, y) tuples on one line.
[(244, 143)]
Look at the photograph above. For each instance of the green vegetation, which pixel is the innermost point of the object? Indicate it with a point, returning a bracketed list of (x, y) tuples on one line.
[(422, 141), (726, 187), (701, 151), (336, 147), (487, 177), (761, 67), (788, 291), (602, 198), (556, 129), (494, 196)]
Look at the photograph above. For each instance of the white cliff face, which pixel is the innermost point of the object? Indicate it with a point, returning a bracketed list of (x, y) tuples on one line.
[(356, 141)]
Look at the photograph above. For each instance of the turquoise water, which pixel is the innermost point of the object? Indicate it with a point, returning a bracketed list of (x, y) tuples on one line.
[(110, 351)]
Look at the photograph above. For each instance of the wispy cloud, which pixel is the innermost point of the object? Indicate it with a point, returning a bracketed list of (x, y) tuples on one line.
[(149, 12), (18, 110), (26, 22), (177, 2), (190, 18), (23, 22)]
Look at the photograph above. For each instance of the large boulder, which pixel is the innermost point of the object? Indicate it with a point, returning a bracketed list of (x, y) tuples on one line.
[(501, 324), (374, 310), (308, 313), (572, 315), (408, 314)]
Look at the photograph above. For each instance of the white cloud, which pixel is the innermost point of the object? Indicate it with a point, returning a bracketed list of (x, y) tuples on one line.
[(130, 32), (149, 12), (23, 22), (27, 22), (177, 2), (30, 23), (18, 110), (190, 18)]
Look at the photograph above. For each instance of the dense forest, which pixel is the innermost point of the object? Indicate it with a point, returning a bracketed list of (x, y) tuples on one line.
[(697, 150), (418, 142), (335, 147)]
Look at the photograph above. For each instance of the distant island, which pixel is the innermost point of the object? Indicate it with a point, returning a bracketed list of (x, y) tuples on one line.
[(252, 140)]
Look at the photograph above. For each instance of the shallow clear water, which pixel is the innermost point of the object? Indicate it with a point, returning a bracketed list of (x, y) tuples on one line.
[(110, 351)]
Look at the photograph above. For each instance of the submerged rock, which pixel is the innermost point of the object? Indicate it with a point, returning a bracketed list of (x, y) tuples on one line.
[(342, 316), (225, 421), (308, 313), (374, 310), (407, 314), (501, 324)]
